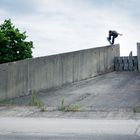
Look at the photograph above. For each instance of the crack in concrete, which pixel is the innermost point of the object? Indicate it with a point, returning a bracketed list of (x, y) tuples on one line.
[(83, 97), (135, 133)]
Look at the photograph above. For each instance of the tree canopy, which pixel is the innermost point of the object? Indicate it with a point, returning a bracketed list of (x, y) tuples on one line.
[(13, 44)]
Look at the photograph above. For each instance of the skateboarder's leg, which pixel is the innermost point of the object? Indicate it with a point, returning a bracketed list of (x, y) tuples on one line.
[(109, 37), (113, 39)]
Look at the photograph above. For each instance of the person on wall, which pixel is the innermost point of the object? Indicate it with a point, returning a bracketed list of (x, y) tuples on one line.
[(112, 35)]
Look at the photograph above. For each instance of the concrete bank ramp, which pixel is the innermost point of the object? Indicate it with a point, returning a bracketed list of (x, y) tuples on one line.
[(109, 92)]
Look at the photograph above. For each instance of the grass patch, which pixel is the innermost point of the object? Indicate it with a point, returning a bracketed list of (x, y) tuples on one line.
[(35, 101), (70, 108), (136, 109), (73, 108), (8, 102), (62, 108)]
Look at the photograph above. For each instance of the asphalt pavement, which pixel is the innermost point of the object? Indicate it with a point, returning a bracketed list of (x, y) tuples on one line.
[(68, 129), (69, 137)]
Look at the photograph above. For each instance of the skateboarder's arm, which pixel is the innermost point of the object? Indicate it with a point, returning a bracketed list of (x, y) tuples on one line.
[(120, 34)]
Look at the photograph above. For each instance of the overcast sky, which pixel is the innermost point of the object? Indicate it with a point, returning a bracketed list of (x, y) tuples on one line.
[(57, 26)]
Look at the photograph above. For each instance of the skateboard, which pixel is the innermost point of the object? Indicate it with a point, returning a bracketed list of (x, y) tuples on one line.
[(109, 41)]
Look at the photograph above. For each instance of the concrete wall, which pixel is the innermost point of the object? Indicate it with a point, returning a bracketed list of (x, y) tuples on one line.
[(21, 77), (138, 55)]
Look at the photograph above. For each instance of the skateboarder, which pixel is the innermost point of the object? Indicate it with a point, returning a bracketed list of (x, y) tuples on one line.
[(112, 35)]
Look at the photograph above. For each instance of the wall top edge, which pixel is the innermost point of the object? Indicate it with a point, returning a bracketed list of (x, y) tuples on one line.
[(65, 53)]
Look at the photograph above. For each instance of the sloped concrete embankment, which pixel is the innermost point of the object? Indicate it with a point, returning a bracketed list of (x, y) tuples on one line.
[(22, 77), (113, 95)]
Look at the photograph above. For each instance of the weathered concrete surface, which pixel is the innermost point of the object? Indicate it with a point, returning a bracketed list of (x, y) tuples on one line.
[(112, 95), (34, 112), (107, 92), (20, 78), (52, 126), (138, 55)]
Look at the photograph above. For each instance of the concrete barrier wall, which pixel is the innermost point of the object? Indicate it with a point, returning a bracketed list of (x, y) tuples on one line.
[(138, 55), (21, 77)]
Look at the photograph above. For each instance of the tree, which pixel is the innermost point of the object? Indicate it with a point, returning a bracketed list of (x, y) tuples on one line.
[(13, 44)]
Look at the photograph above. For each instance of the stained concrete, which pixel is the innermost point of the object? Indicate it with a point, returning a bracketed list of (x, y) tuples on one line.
[(21, 77), (112, 91), (112, 95)]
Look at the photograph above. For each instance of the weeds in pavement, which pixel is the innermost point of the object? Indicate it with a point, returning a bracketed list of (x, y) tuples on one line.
[(136, 109), (36, 102), (73, 108), (70, 108), (62, 108)]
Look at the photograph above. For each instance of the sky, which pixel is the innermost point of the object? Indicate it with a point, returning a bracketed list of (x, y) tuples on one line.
[(58, 26)]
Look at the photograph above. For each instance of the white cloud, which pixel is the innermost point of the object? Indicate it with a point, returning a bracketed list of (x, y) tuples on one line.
[(65, 25)]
